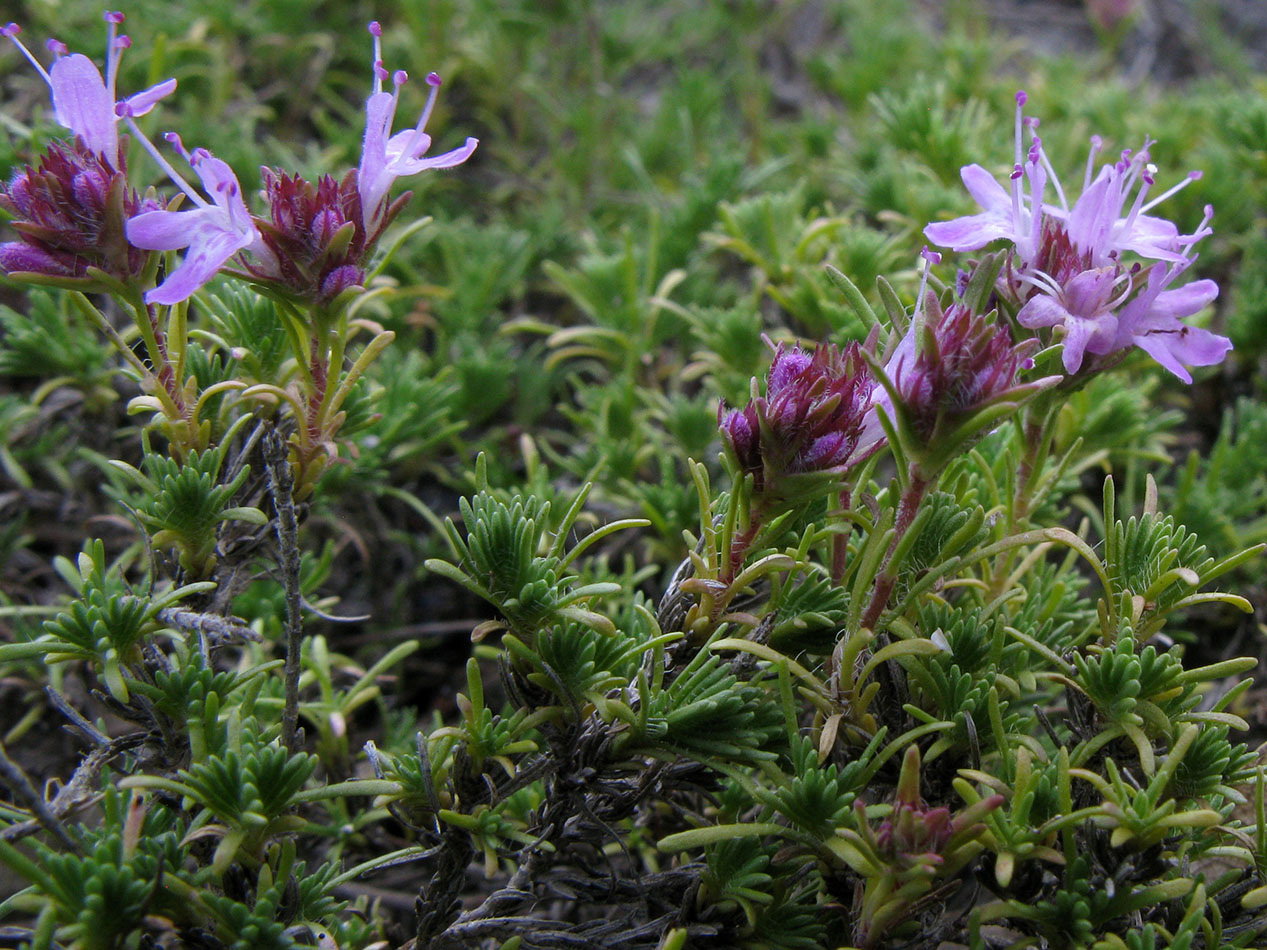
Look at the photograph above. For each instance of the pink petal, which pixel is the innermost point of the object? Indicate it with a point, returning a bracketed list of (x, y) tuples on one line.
[(971, 231), (447, 160), (142, 102), (378, 112), (1077, 333), (209, 247), (1086, 294), (409, 144), (159, 230), (1190, 346), (1186, 300), (82, 104), (1042, 311), (1094, 213), (986, 190)]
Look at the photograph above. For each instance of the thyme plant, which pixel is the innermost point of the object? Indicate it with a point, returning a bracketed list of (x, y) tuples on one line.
[(866, 667)]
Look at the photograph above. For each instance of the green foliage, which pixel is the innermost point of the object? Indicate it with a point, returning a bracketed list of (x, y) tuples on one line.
[(182, 505), (706, 711), (48, 341), (1219, 495), (99, 896), (107, 624)]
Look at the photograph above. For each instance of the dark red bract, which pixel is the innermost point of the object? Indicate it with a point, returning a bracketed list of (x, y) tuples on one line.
[(69, 213), (811, 418), (314, 233)]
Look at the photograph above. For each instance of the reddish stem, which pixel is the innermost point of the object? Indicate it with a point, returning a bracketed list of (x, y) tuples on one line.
[(840, 543), (906, 510), (166, 375)]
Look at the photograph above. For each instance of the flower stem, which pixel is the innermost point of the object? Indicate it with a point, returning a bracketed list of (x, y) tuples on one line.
[(840, 542), (1036, 438), (916, 488)]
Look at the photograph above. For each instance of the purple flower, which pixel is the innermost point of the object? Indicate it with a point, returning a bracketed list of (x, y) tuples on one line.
[(69, 213), (810, 421), (1100, 224), (84, 102), (1067, 269), (213, 230), (952, 363), (386, 157), (1152, 321), (312, 244)]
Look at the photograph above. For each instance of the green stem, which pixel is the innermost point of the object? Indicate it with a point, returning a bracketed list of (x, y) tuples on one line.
[(1036, 436)]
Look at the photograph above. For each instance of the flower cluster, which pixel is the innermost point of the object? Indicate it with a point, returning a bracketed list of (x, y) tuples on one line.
[(83, 101), (813, 419), (313, 245), (70, 214), (1068, 268), (952, 364)]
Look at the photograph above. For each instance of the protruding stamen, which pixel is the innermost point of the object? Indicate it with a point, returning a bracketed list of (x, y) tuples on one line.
[(113, 48), (380, 71), (1052, 177), (113, 17), (1097, 143), (420, 128), (431, 101), (1020, 121), (174, 140), (433, 79), (1017, 174), (163, 163), (1188, 179), (1146, 182), (1037, 182), (56, 47), (931, 257), (12, 30)]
